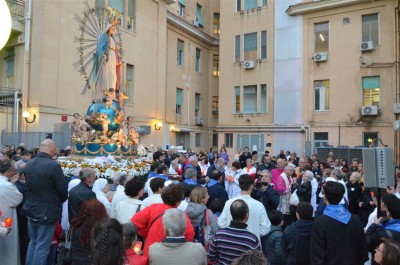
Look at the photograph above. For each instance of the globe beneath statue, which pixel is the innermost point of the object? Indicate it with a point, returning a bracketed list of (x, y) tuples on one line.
[(113, 112)]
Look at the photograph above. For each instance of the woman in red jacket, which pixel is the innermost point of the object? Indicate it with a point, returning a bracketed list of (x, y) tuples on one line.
[(149, 221)]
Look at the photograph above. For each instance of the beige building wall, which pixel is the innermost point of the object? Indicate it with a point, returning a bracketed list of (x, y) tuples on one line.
[(55, 85), (234, 73), (345, 67)]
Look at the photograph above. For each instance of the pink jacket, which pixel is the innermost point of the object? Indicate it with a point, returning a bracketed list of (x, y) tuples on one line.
[(280, 184)]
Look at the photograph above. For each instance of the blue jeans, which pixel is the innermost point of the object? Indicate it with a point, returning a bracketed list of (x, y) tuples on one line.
[(41, 235)]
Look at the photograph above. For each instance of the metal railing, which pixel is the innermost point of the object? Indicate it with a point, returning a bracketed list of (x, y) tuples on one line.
[(33, 139), (17, 8)]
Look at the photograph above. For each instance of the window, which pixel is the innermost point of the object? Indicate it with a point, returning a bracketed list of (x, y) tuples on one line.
[(320, 139), (369, 139), (215, 107), (131, 15), (10, 67), (250, 99), (263, 99), (321, 31), (198, 140), (197, 66), (238, 5), (116, 10), (263, 44), (250, 4), (228, 140), (321, 95), (129, 81), (370, 28), (237, 99), (179, 101), (180, 52), (263, 2), (237, 48), (250, 46), (215, 72), (199, 16), (182, 5), (197, 104), (371, 90), (216, 24), (215, 139)]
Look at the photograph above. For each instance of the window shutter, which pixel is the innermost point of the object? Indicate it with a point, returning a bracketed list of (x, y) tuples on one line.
[(182, 2), (199, 16)]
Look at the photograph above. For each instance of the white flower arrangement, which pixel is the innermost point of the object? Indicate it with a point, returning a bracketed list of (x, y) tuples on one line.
[(106, 167)]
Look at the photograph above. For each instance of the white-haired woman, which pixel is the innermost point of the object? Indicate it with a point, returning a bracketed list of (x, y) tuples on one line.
[(101, 187)]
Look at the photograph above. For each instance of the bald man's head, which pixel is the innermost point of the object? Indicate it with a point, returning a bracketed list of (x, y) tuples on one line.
[(49, 147)]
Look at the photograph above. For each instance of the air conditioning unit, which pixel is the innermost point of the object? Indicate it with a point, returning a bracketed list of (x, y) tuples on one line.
[(248, 64), (319, 57), (369, 110), (366, 46), (195, 23), (199, 121), (396, 108)]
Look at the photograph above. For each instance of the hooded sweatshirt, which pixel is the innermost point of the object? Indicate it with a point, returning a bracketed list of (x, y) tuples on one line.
[(196, 212), (296, 242)]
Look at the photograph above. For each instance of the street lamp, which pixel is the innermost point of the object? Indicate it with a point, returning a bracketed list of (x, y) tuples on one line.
[(26, 115), (5, 22), (158, 126)]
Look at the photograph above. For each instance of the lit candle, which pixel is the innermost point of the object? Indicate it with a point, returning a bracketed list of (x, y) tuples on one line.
[(8, 222), (138, 247)]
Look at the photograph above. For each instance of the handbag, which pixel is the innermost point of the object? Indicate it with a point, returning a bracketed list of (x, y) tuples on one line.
[(294, 199), (204, 234), (64, 254)]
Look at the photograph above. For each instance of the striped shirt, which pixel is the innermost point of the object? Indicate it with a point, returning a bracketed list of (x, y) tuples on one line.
[(231, 242)]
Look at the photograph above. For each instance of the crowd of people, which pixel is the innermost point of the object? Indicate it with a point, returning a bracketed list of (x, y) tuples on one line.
[(204, 208)]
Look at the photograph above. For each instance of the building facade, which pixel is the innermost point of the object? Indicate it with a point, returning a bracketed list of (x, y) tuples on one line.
[(162, 88), (350, 71)]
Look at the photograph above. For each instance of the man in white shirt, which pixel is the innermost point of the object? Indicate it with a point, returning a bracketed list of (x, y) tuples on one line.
[(156, 185), (119, 194), (258, 222)]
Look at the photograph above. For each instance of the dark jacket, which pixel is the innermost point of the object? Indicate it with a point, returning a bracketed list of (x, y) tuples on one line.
[(354, 192), (77, 196), (304, 192), (273, 246), (81, 255), (269, 167), (296, 242), (366, 208), (46, 189), (375, 233), (243, 157), (269, 198), (333, 242), (217, 191)]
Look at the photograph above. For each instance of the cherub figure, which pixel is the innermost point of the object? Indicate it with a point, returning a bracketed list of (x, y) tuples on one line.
[(110, 97), (86, 134), (122, 137), (119, 118), (134, 135), (128, 123), (121, 98), (77, 121), (104, 123)]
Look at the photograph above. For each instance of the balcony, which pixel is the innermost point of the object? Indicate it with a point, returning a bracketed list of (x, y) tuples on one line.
[(17, 10)]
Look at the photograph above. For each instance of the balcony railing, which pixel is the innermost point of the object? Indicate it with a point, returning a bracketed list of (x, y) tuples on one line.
[(17, 8)]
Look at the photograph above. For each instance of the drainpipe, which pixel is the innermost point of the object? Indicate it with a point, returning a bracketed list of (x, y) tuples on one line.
[(27, 56), (16, 112)]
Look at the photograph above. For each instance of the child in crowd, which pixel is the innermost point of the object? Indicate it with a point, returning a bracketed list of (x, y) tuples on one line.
[(273, 246), (297, 236)]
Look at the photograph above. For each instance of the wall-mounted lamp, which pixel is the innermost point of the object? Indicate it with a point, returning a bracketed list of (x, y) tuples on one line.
[(26, 115), (158, 126)]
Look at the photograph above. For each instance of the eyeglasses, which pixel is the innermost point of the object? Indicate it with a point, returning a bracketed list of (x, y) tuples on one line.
[(378, 250)]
